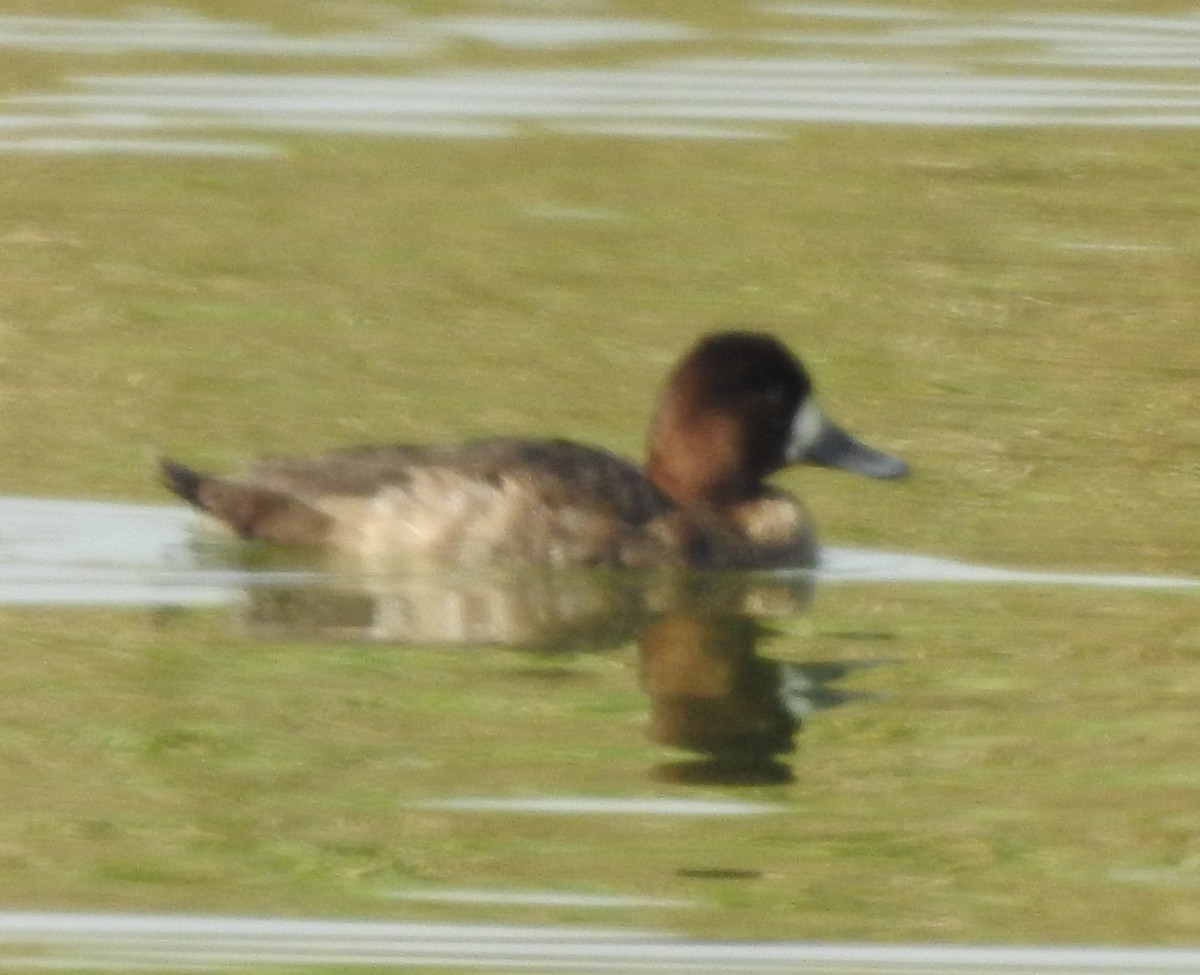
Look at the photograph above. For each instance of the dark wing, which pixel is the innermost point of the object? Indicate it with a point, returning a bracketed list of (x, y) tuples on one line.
[(562, 472)]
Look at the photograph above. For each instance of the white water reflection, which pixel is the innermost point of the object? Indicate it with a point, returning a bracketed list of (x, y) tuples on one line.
[(181, 32), (790, 65), (559, 32), (709, 97), (82, 145), (108, 554), (94, 553), (868, 565), (124, 942)]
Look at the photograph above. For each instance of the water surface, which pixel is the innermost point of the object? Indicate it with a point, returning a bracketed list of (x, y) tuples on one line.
[(98, 553), (902, 745), (790, 64), (113, 942)]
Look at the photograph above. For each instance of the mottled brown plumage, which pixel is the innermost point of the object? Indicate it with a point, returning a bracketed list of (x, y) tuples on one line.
[(735, 410)]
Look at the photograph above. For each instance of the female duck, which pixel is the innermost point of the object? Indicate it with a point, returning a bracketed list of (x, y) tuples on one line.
[(737, 408)]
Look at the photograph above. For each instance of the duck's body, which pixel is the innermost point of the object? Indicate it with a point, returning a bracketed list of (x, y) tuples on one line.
[(552, 502), (735, 410)]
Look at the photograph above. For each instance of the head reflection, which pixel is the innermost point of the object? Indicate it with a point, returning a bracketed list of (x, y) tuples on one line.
[(712, 693)]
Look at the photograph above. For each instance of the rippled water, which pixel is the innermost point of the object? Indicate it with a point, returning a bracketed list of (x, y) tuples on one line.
[(109, 554), (791, 64), (84, 553), (113, 942)]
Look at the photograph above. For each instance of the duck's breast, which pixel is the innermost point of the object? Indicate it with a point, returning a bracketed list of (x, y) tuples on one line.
[(778, 530)]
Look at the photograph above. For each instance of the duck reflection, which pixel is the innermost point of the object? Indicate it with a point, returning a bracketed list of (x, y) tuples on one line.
[(712, 693)]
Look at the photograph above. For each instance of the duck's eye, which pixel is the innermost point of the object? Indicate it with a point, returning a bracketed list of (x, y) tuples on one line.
[(777, 401), (775, 395)]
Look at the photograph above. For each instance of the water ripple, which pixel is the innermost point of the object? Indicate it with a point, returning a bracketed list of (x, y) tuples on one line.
[(897, 67)]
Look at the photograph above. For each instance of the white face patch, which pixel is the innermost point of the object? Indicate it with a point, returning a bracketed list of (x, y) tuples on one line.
[(807, 426)]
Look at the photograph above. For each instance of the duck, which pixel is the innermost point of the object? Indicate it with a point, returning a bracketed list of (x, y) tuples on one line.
[(737, 408)]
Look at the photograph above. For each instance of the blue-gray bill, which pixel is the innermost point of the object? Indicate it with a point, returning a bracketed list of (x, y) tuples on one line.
[(834, 447)]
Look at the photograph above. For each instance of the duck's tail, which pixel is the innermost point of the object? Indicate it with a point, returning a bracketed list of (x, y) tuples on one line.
[(182, 481), (251, 510)]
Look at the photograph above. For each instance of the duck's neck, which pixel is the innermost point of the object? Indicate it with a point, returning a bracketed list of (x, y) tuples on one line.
[(698, 466)]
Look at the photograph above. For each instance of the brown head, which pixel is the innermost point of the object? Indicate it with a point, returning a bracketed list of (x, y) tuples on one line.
[(737, 408)]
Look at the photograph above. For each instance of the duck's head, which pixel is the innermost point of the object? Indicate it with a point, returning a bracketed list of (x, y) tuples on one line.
[(737, 408)]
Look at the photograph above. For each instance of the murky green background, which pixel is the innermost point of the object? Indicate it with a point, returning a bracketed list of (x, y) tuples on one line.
[(1011, 308)]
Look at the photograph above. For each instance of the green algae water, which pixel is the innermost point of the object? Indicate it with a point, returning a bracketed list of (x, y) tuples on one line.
[(287, 230)]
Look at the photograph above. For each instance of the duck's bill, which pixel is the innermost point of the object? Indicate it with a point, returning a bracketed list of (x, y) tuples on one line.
[(818, 440)]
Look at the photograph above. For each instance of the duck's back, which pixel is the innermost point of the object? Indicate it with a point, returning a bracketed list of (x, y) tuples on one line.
[(489, 501)]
